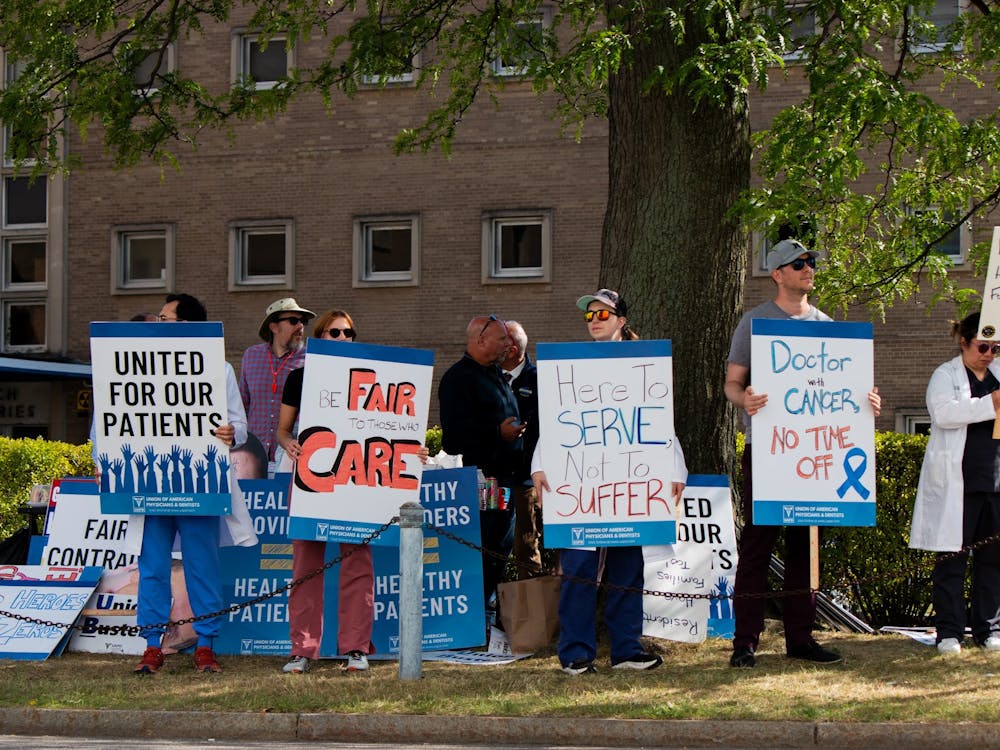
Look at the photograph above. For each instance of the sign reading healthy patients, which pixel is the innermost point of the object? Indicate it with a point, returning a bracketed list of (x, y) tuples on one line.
[(362, 421), (814, 442), (159, 393), (607, 442)]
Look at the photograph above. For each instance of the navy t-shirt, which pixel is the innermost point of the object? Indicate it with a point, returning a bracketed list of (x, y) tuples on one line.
[(981, 460)]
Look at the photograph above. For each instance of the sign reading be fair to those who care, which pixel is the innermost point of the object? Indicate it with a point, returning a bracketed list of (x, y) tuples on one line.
[(362, 421), (814, 442), (159, 393), (607, 443)]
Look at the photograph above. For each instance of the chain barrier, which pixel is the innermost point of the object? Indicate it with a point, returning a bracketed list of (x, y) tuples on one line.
[(137, 630), (133, 630)]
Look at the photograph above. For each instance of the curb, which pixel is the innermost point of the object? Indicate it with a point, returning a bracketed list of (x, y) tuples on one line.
[(494, 730)]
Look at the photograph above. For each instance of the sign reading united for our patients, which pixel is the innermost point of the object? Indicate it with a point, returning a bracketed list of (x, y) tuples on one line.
[(362, 421), (159, 393), (607, 443), (814, 442)]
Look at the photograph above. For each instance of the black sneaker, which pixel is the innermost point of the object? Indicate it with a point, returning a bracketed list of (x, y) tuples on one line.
[(743, 657), (812, 651), (642, 660), (580, 666)]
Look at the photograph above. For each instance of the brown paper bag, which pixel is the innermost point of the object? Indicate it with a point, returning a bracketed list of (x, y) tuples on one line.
[(529, 612)]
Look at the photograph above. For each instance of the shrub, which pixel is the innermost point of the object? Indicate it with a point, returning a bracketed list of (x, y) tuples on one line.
[(433, 440), (29, 461)]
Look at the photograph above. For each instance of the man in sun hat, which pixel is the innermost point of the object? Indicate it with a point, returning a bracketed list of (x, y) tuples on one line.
[(266, 366)]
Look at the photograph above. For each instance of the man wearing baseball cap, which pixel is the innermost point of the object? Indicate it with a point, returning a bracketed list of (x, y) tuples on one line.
[(266, 366)]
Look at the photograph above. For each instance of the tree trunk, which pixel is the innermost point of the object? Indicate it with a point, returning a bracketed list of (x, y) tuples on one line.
[(675, 169)]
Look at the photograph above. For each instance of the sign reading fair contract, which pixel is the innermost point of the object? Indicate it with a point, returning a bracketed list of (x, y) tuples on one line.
[(814, 442), (362, 421), (159, 393), (607, 443)]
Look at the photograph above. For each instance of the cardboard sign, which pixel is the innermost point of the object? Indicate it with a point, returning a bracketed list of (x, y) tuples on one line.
[(701, 561), (362, 422), (989, 314), (606, 418), (159, 391), (814, 442), (41, 592)]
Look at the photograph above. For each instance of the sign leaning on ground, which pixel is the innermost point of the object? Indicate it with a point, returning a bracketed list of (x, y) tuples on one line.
[(702, 561), (159, 393), (814, 442), (607, 442), (362, 423)]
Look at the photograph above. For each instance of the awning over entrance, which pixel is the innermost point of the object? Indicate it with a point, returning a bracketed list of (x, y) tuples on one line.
[(17, 368)]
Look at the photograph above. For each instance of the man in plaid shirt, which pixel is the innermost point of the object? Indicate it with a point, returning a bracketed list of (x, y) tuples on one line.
[(266, 366)]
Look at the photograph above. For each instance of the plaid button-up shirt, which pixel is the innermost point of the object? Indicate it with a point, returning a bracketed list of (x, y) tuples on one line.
[(262, 379)]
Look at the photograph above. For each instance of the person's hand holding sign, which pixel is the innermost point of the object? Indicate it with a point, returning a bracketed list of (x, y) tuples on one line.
[(226, 433)]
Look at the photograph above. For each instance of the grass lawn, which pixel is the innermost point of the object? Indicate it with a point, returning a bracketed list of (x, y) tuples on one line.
[(882, 678)]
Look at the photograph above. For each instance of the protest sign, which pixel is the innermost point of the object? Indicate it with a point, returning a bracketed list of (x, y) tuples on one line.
[(41, 592), (159, 392), (362, 422), (606, 419), (989, 313), (814, 442), (701, 561)]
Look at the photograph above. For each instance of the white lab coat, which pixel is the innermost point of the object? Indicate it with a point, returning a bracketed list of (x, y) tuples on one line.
[(938, 510)]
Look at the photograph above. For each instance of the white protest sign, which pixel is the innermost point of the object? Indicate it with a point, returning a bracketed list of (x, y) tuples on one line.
[(814, 441), (989, 316), (159, 392), (702, 561), (606, 418), (45, 593), (362, 422)]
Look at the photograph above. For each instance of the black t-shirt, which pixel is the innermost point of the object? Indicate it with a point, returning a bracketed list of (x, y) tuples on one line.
[(981, 460), (292, 394)]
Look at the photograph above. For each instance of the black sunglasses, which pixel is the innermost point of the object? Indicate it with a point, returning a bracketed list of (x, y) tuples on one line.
[(335, 333), (492, 319), (799, 263), (986, 347), (294, 320)]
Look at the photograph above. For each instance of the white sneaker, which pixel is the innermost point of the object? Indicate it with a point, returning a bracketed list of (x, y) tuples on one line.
[(356, 662), (296, 665), (992, 643), (952, 646)]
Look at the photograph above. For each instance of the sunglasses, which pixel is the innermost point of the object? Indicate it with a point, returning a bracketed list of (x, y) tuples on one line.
[(799, 263), (599, 314), (335, 333), (294, 320), (491, 319), (983, 347)]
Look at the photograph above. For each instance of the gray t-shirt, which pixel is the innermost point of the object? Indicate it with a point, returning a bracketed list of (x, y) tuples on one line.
[(739, 349)]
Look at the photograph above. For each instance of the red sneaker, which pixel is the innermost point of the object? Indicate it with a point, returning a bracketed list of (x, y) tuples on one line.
[(152, 660), (204, 660)]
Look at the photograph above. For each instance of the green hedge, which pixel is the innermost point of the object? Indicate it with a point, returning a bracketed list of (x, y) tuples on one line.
[(26, 462)]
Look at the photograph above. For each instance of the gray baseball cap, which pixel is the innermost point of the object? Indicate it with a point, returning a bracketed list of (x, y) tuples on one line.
[(785, 252)]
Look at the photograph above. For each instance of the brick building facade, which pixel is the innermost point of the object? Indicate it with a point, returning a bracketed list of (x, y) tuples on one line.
[(314, 205)]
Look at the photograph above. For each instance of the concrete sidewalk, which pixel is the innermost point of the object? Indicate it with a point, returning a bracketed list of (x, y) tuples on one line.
[(486, 730)]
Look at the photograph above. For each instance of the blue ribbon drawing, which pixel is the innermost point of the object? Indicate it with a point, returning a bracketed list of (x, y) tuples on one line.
[(854, 474)]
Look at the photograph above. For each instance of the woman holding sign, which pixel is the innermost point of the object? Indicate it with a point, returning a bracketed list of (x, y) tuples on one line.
[(356, 603), (605, 315), (958, 497)]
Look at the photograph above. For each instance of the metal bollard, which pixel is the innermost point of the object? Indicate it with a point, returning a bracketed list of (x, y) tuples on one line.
[(411, 590)]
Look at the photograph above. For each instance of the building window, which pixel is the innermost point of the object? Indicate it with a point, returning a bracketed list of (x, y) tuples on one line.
[(402, 77), (956, 243), (24, 325), (262, 254), (913, 422), (149, 73), (24, 202), (262, 63), (143, 258), (524, 44), (799, 27), (940, 17), (387, 251), (24, 264), (517, 246)]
